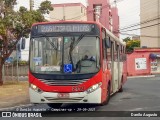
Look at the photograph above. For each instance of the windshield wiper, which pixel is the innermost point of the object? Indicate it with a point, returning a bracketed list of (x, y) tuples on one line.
[(51, 43), (73, 45)]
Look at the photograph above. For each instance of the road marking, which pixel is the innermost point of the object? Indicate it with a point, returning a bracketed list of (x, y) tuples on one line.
[(145, 108), (136, 109)]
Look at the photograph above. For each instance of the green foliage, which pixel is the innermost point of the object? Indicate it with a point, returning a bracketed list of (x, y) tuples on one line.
[(22, 9), (16, 24), (18, 21), (23, 62), (20, 62), (127, 39), (45, 7), (9, 3), (131, 44)]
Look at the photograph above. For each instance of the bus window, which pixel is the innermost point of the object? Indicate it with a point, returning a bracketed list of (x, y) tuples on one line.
[(121, 52), (109, 49), (112, 51), (118, 53), (104, 44), (115, 51)]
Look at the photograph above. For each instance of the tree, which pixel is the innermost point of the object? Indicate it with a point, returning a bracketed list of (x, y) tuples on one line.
[(126, 39), (131, 44), (44, 5), (16, 24)]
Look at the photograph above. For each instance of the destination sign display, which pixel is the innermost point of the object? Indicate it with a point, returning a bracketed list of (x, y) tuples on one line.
[(48, 28)]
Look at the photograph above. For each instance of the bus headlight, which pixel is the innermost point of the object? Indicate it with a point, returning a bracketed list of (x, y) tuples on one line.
[(35, 88), (93, 88)]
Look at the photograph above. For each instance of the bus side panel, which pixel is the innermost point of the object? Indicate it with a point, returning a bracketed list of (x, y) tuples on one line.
[(120, 74), (115, 77), (124, 72), (105, 82)]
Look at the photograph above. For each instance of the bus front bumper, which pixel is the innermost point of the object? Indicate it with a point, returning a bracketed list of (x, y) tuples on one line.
[(76, 97)]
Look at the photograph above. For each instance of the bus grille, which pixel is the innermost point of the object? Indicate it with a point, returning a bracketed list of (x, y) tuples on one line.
[(64, 100), (63, 82)]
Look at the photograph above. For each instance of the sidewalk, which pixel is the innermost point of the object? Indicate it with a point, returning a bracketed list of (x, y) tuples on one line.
[(14, 94), (141, 76)]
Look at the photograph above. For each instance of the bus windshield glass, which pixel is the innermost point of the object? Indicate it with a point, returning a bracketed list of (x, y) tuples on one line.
[(65, 54)]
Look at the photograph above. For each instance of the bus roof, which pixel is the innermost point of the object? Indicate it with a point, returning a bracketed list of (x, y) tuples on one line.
[(115, 38), (56, 22)]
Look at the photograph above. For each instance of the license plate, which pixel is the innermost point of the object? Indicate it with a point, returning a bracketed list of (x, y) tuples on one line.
[(63, 95)]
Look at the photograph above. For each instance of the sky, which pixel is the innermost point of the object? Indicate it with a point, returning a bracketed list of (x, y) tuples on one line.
[(129, 13), (128, 10)]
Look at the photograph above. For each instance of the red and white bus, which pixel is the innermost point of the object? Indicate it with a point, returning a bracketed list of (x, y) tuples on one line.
[(74, 62)]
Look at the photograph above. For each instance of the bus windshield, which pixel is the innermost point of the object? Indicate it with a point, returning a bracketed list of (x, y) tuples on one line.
[(65, 55)]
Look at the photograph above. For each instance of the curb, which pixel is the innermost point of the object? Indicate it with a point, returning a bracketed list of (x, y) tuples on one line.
[(10, 108), (145, 76)]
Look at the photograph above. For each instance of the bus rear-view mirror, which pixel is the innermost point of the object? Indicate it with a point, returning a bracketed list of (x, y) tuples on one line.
[(107, 43)]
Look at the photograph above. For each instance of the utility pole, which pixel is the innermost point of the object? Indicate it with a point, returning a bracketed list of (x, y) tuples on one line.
[(31, 2)]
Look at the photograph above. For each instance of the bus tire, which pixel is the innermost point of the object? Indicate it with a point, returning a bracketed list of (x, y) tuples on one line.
[(121, 88), (107, 96), (54, 105)]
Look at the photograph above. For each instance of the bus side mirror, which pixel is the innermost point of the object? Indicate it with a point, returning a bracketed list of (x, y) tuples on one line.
[(23, 43), (107, 43)]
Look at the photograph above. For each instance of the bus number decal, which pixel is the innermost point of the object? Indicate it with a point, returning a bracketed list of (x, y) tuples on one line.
[(76, 88)]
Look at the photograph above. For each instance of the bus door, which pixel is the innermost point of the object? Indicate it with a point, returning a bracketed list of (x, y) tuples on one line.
[(119, 66), (109, 60), (115, 69)]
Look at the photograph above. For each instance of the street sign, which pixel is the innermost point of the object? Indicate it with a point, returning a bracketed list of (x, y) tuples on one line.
[(9, 60)]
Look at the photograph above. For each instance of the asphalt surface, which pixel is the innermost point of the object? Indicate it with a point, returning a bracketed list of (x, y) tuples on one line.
[(139, 94)]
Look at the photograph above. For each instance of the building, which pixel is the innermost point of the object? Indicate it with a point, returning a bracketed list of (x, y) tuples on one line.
[(136, 37), (100, 10), (96, 10), (68, 11), (150, 27), (115, 21), (143, 61)]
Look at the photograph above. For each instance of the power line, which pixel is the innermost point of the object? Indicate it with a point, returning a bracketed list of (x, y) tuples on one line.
[(139, 35), (141, 27), (53, 18), (137, 24), (143, 22)]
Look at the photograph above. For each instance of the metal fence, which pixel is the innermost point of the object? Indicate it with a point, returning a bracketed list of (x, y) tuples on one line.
[(15, 72)]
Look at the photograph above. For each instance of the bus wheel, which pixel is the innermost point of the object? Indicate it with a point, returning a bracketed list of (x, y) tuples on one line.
[(107, 96), (121, 88), (54, 105)]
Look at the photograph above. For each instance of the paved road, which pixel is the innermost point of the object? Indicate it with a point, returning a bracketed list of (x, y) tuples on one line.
[(140, 94)]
